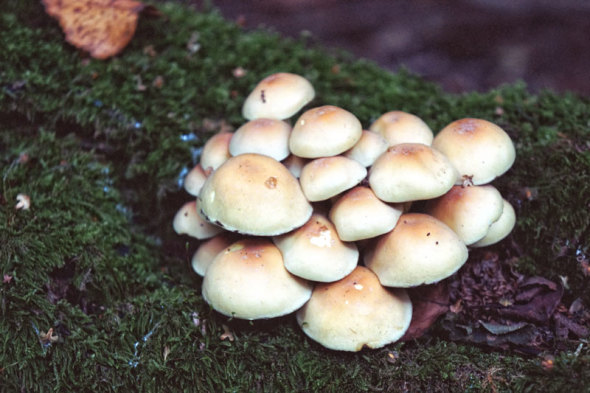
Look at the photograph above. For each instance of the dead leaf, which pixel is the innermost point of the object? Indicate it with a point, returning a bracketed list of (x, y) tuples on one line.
[(101, 27), (428, 302)]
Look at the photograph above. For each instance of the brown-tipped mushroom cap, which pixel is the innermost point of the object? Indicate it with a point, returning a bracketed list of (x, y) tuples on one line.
[(315, 252), (359, 214), (499, 228), (368, 148), (469, 211), (411, 171), (324, 131), (254, 194), (401, 127), (479, 149), (263, 136), (324, 178), (188, 221), (215, 151), (278, 96), (419, 250), (355, 312), (208, 250), (194, 180), (249, 281)]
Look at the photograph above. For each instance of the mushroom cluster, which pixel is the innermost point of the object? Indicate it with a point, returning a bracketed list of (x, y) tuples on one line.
[(286, 211)]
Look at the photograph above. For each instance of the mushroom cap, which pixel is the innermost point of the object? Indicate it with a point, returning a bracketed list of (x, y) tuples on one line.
[(411, 171), (355, 312), (208, 250), (326, 177), (278, 96), (359, 214), (188, 221), (419, 250), (215, 151), (194, 180), (324, 131), (401, 127), (469, 211), (499, 228), (248, 280), (315, 252), (479, 149), (368, 148), (254, 194), (263, 136)]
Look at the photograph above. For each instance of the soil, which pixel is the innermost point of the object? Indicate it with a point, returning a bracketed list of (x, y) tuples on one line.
[(463, 45)]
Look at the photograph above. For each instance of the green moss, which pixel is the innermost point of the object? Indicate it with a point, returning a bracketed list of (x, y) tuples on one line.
[(95, 257)]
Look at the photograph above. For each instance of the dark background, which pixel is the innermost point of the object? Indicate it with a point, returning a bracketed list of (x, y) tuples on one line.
[(462, 45)]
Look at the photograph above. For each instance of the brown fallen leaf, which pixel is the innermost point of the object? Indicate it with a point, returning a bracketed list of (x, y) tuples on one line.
[(101, 27), (429, 302)]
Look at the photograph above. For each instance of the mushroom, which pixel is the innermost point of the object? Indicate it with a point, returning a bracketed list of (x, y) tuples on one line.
[(355, 312), (278, 96), (188, 221), (401, 127), (326, 177), (368, 148), (419, 250), (256, 195), (194, 180), (410, 172), (315, 252), (263, 136), (295, 164), (248, 280), (500, 228), (359, 214), (469, 211), (324, 131), (216, 151), (479, 149)]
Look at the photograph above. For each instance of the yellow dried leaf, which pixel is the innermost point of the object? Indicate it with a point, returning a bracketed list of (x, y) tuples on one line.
[(101, 27)]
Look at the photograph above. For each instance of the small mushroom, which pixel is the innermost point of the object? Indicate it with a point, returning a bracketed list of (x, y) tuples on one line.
[(216, 151), (326, 177), (278, 96), (263, 136), (355, 312), (194, 180), (256, 195), (208, 250), (368, 148), (419, 250), (479, 149), (248, 280), (188, 221), (324, 131), (315, 252), (500, 228), (401, 127)]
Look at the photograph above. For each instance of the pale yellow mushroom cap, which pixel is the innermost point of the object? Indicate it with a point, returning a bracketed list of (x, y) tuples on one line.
[(359, 214), (188, 221), (469, 211), (355, 312), (315, 252), (263, 136), (324, 131), (368, 148), (254, 194), (216, 151), (419, 250), (410, 172), (248, 280), (479, 149), (295, 164), (194, 180), (401, 127), (278, 96), (500, 228), (326, 177)]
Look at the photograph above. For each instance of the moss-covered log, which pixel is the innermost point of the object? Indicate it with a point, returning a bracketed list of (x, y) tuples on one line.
[(101, 146)]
